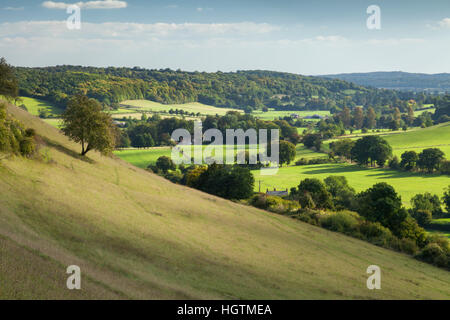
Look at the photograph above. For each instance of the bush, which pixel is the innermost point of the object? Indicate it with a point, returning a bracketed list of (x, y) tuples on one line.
[(434, 254), (394, 163), (27, 146), (423, 217), (375, 233), (273, 203), (165, 164), (408, 246), (444, 167), (344, 222)]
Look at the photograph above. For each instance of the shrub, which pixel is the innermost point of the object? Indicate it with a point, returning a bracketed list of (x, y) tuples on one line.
[(429, 202), (423, 217), (301, 162), (375, 233), (394, 163), (434, 254), (444, 167), (273, 203), (313, 193), (343, 222), (408, 246), (27, 146), (165, 164)]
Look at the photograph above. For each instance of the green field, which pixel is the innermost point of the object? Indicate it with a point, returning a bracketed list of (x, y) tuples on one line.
[(445, 222), (418, 139), (405, 183), (33, 105), (275, 114), (147, 105), (143, 157), (135, 235)]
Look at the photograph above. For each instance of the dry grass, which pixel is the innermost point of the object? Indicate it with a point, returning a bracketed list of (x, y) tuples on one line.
[(136, 235)]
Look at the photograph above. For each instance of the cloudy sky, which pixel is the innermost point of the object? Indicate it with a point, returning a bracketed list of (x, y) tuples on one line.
[(306, 37)]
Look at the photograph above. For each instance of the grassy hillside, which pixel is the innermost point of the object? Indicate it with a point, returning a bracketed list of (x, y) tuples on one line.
[(136, 235)]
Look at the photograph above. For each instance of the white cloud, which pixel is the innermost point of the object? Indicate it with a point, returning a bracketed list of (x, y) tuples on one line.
[(135, 30), (444, 23), (101, 4)]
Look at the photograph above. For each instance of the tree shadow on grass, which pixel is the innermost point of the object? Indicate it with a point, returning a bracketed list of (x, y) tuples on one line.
[(67, 151), (393, 174), (335, 169)]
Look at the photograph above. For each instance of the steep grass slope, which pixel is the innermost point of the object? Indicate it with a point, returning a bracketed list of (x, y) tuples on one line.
[(136, 235)]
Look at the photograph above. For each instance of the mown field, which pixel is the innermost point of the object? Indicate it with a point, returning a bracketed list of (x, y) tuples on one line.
[(136, 235), (147, 105)]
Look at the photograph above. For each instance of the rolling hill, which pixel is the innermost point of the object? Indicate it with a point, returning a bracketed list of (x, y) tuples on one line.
[(136, 235), (398, 80)]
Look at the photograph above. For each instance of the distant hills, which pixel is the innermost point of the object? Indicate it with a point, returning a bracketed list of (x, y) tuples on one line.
[(246, 90), (397, 80)]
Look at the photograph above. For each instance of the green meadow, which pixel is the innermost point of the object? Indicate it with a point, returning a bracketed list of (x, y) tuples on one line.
[(407, 184), (33, 105), (142, 158), (418, 139), (147, 105), (275, 114)]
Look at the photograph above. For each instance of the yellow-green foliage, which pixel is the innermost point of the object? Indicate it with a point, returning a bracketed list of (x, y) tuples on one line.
[(137, 235), (13, 138)]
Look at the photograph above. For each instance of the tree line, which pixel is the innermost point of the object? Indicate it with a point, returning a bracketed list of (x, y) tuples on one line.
[(247, 90)]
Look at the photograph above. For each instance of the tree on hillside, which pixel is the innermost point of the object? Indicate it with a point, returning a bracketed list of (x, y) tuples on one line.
[(428, 202), (8, 82), (312, 193), (358, 117), (446, 199), (371, 149), (230, 182), (410, 115), (312, 140), (287, 152), (343, 147), (380, 203), (343, 195), (85, 123), (430, 159), (346, 117), (371, 118), (409, 160)]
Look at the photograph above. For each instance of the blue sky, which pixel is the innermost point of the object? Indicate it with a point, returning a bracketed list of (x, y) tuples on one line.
[(306, 37)]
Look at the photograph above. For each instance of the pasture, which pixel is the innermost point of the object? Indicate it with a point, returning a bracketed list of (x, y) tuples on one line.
[(275, 114), (151, 106), (33, 105), (406, 184)]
